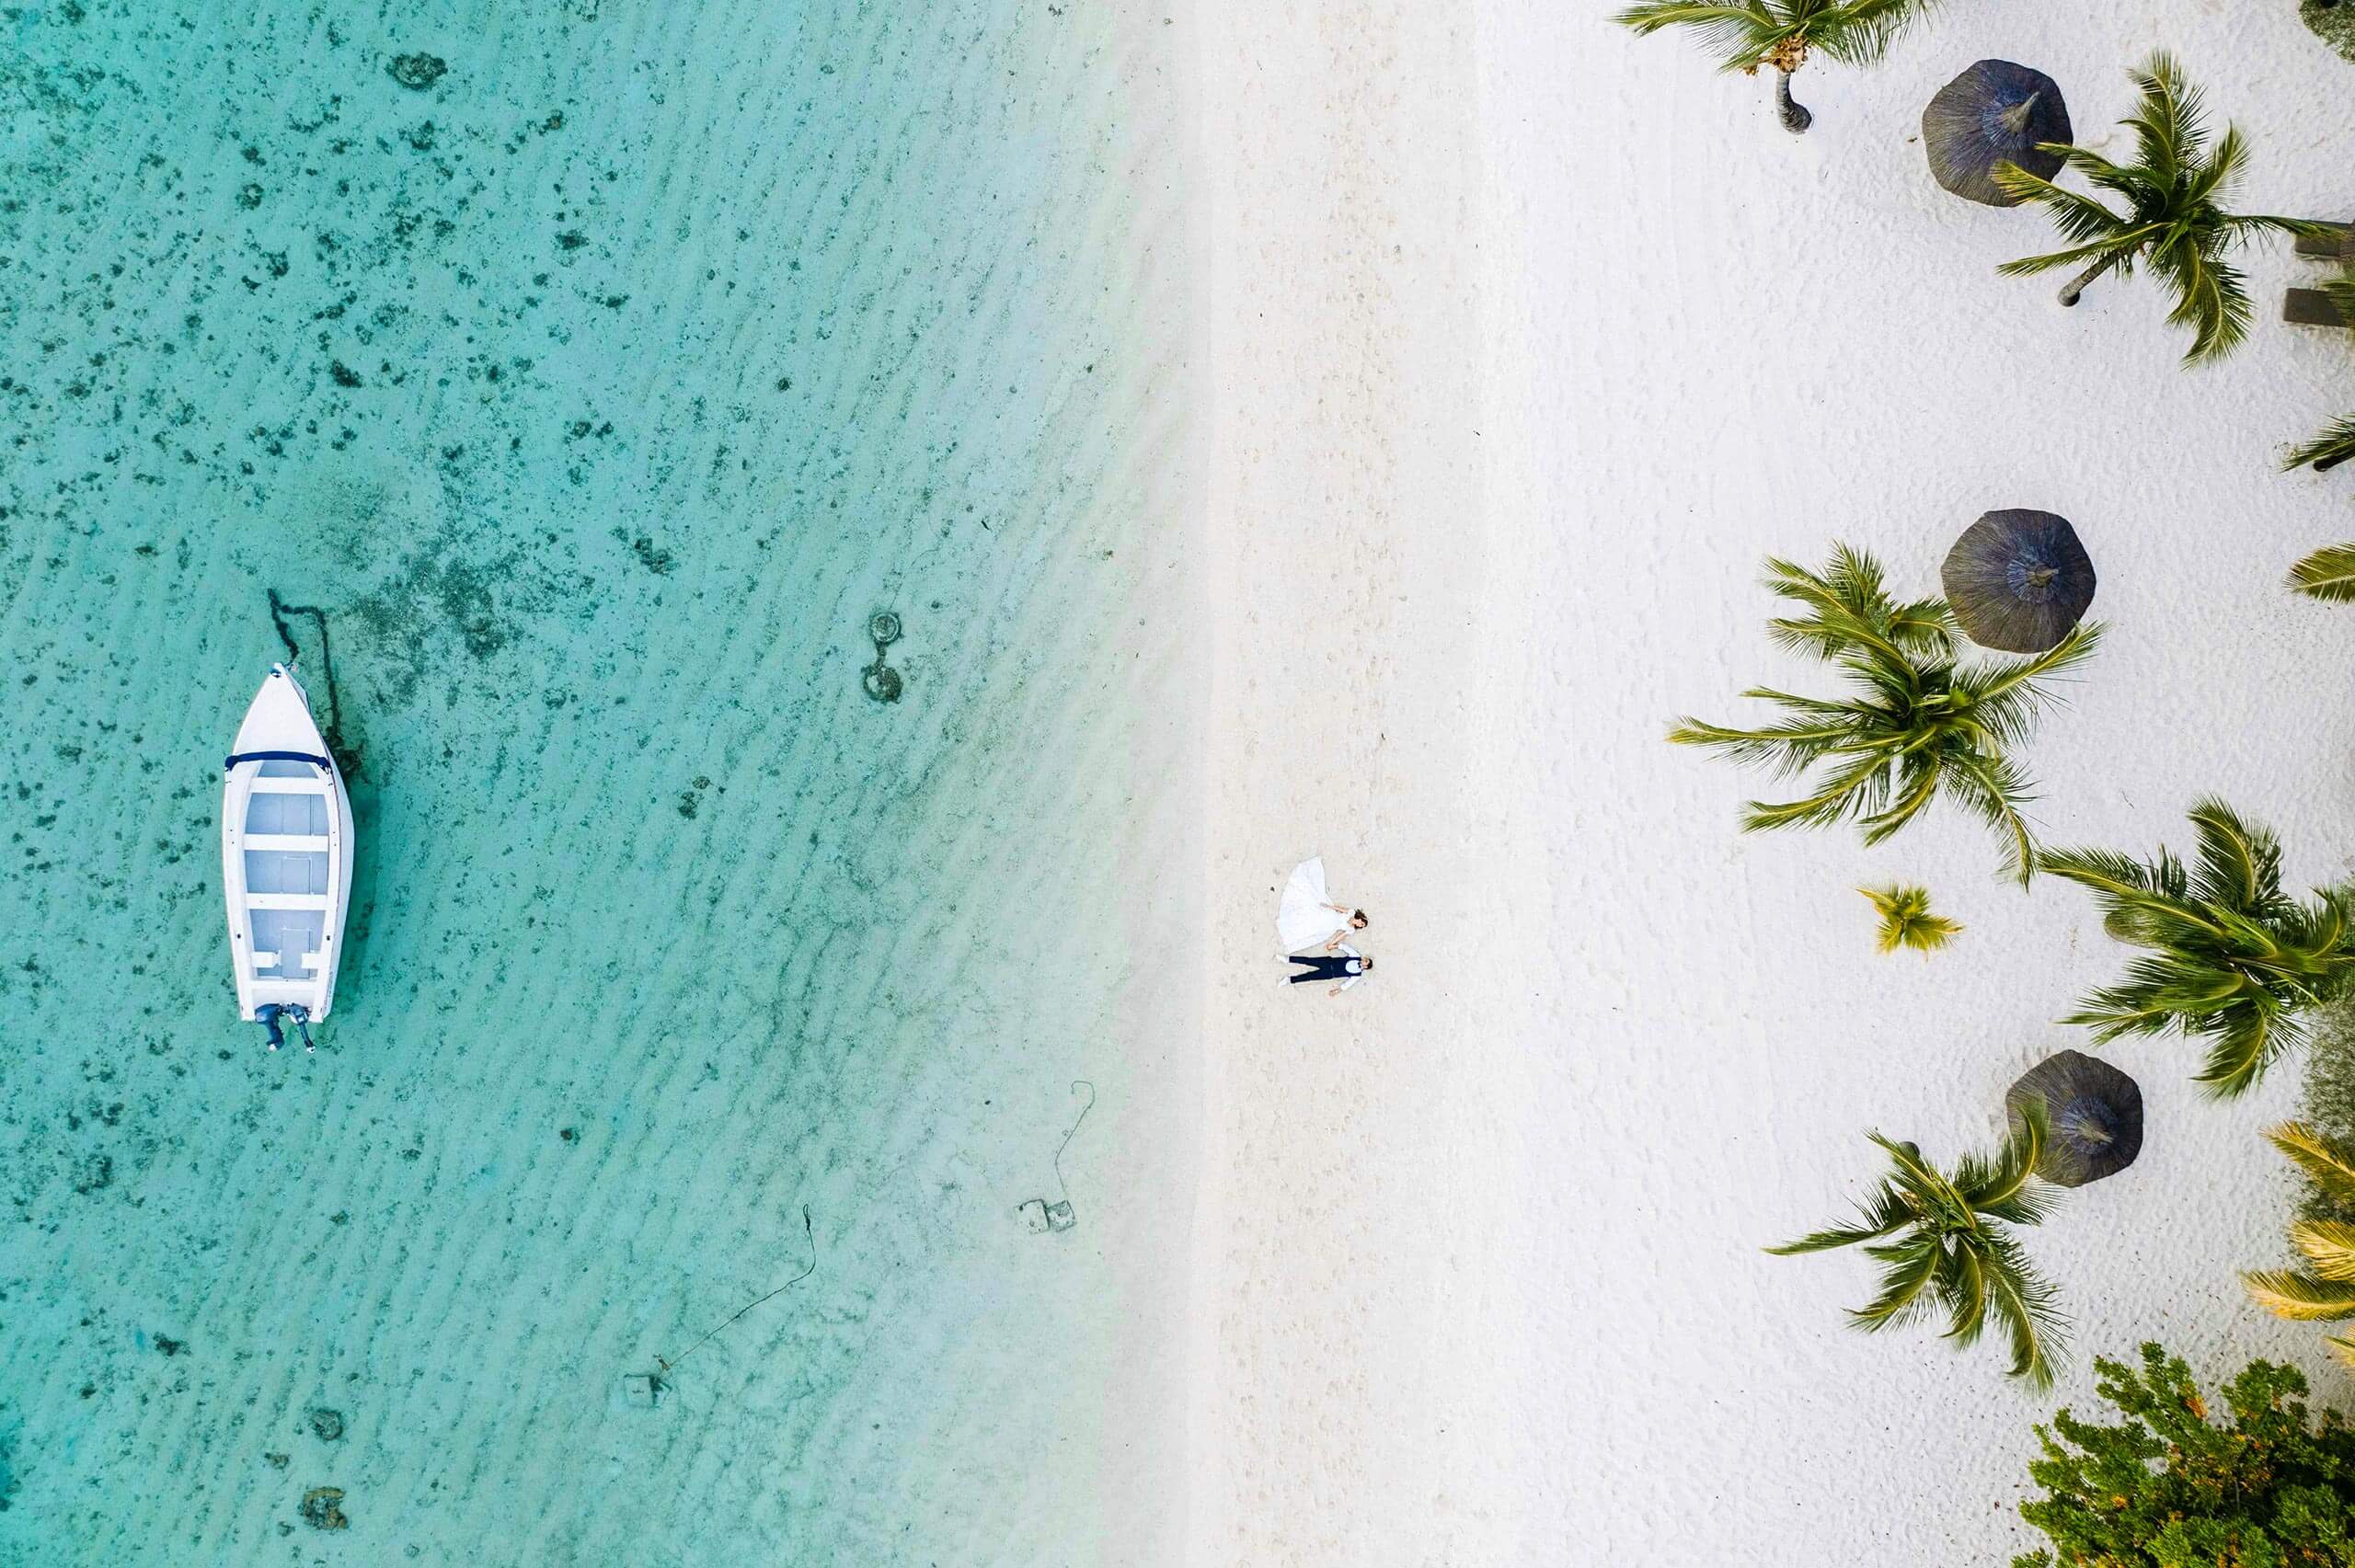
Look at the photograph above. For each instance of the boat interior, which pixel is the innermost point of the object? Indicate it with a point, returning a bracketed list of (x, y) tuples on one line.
[(286, 871)]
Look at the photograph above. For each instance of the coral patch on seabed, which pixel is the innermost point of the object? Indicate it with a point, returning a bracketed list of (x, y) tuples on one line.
[(417, 72), (881, 682), (322, 1508)]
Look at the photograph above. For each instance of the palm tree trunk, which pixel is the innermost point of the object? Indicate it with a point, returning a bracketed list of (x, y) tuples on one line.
[(1796, 115), (2072, 290)]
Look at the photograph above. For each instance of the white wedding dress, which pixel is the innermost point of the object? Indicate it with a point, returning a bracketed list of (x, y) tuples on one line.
[(1303, 920)]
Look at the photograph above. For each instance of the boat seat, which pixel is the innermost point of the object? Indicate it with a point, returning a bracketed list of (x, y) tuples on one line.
[(287, 786), (295, 842), (265, 960), (286, 900), (313, 961)]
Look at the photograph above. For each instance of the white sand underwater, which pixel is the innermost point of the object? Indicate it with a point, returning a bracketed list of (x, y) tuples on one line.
[(673, 342)]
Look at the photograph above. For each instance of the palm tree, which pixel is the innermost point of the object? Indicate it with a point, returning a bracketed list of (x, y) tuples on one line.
[(1906, 920), (1918, 723), (2172, 222), (2324, 1292), (1783, 33), (2230, 960), (1944, 1246)]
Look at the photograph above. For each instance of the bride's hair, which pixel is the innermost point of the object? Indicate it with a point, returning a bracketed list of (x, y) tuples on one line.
[(1359, 920)]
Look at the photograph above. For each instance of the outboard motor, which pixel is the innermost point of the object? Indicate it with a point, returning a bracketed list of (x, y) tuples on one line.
[(269, 1012)]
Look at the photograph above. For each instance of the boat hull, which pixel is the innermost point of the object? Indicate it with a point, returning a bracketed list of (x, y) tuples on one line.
[(286, 845)]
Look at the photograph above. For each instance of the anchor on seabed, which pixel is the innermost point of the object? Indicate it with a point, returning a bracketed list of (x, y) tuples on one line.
[(269, 1012)]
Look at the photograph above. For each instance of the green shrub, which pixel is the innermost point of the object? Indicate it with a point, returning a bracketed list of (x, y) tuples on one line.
[(2330, 1092), (2168, 1488), (2332, 21)]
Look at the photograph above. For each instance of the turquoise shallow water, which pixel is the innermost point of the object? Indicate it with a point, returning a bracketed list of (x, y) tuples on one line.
[(599, 369)]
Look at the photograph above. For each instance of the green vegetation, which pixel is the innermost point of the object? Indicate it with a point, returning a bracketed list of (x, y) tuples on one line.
[(1906, 920), (2329, 1099), (2335, 444), (2166, 1488), (2172, 222), (2231, 959), (2323, 1291), (1944, 1245), (1783, 34), (2332, 22), (1917, 724), (2328, 574)]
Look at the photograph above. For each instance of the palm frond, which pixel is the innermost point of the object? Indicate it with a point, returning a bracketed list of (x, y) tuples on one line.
[(1992, 789), (2329, 1247), (1859, 32), (2212, 298), (1740, 35), (1789, 746), (1917, 786), (2213, 180), (2334, 446), (1965, 1288), (2080, 217), (2014, 1166), (2167, 122), (1883, 1214), (2329, 573), (2240, 867), (1856, 790), (1908, 1269), (2245, 1041), (2286, 1293), (2330, 1166), (2013, 681), (2114, 254), (2026, 1305), (2112, 876)]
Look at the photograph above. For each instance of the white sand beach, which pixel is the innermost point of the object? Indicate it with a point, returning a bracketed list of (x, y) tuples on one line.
[(1530, 339)]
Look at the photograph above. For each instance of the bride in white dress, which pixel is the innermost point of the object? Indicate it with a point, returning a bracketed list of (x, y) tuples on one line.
[(1307, 917)]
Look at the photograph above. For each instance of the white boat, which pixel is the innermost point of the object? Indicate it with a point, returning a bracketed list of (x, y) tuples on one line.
[(286, 860)]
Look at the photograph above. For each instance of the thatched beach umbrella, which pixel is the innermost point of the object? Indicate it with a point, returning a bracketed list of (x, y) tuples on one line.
[(1996, 112), (2094, 1110), (2019, 579)]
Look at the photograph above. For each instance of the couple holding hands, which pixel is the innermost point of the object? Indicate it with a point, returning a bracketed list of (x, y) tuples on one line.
[(1308, 918)]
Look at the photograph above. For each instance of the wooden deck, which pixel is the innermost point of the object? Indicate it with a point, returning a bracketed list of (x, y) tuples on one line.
[(2312, 307)]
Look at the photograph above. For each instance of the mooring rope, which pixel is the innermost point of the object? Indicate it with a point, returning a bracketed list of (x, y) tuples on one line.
[(1077, 1083), (347, 757), (748, 1306)]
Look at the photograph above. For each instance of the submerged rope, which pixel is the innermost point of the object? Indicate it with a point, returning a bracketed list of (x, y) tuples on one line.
[(1077, 1083), (748, 1306), (347, 757)]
